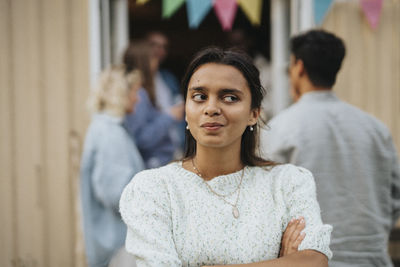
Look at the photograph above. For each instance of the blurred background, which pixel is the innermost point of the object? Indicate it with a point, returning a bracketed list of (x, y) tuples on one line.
[(51, 52)]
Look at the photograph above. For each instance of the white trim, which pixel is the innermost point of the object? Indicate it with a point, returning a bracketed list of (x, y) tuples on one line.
[(280, 54), (120, 29), (306, 15), (94, 40), (302, 15), (105, 33)]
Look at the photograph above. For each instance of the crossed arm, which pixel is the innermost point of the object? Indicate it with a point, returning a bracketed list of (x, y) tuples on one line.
[(289, 254)]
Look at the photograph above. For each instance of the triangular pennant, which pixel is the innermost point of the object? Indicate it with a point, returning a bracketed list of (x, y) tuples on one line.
[(141, 2), (226, 12), (169, 7), (252, 9), (372, 10), (320, 9), (197, 10)]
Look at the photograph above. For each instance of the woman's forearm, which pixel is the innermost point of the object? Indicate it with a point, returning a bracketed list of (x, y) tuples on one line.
[(306, 258)]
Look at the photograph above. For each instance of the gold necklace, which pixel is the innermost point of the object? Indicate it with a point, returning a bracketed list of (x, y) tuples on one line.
[(235, 210)]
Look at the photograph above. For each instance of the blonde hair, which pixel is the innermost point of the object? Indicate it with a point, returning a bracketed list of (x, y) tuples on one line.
[(110, 95)]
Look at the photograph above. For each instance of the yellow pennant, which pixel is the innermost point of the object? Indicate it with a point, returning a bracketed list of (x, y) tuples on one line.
[(252, 9), (141, 2)]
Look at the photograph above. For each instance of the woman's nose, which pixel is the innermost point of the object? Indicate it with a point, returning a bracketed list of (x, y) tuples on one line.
[(212, 108)]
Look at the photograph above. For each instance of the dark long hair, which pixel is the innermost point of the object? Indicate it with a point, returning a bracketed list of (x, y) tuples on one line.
[(244, 64)]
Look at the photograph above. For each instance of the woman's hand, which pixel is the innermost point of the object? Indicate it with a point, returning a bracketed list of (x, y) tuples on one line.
[(292, 237)]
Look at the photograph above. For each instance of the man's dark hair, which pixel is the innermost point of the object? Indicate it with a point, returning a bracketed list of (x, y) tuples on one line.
[(322, 54)]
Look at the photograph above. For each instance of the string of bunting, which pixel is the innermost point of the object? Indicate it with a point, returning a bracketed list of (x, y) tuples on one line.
[(225, 10)]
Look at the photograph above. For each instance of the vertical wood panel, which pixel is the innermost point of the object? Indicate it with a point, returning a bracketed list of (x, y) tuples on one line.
[(7, 175), (79, 90), (32, 60), (371, 73), (57, 86), (395, 66), (29, 214), (383, 57)]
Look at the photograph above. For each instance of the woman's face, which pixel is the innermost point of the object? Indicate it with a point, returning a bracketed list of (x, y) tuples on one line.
[(218, 106), (133, 97)]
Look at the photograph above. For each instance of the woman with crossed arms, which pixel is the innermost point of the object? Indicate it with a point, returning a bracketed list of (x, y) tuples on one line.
[(222, 204)]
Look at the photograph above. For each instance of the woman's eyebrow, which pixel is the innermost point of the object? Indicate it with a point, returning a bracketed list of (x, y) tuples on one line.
[(197, 88), (221, 91), (231, 91)]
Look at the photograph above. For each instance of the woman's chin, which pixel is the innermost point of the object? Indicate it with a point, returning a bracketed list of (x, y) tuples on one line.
[(212, 141)]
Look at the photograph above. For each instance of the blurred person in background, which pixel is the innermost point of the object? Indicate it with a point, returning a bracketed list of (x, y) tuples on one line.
[(166, 85), (110, 159), (149, 126), (350, 153)]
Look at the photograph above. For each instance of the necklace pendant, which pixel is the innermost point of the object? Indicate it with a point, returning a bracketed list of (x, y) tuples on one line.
[(235, 212)]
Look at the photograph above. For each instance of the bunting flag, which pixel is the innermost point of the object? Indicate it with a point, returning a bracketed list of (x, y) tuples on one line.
[(226, 12), (141, 2), (321, 7), (196, 11), (169, 7), (252, 9), (372, 10)]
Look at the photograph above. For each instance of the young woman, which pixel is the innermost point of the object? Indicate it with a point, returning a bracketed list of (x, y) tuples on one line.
[(110, 159), (222, 204)]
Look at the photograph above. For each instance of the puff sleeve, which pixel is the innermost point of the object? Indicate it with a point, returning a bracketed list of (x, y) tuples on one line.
[(145, 208), (299, 190)]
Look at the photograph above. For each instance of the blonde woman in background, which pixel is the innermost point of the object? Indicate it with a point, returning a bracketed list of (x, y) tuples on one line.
[(110, 159)]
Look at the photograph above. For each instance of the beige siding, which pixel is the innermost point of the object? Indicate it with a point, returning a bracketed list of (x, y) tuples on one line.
[(7, 154), (370, 76), (44, 83)]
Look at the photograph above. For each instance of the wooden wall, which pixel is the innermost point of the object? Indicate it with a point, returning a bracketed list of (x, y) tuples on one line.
[(370, 76), (44, 80)]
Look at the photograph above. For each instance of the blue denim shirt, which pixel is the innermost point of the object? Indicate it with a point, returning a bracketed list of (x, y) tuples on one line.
[(110, 159), (151, 130)]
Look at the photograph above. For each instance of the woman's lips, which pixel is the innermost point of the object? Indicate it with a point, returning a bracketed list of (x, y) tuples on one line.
[(212, 126)]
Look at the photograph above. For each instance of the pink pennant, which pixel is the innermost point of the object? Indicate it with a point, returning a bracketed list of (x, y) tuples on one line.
[(372, 10), (226, 12)]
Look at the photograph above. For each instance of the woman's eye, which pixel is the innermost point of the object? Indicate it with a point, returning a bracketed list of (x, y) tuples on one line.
[(199, 97), (230, 98)]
